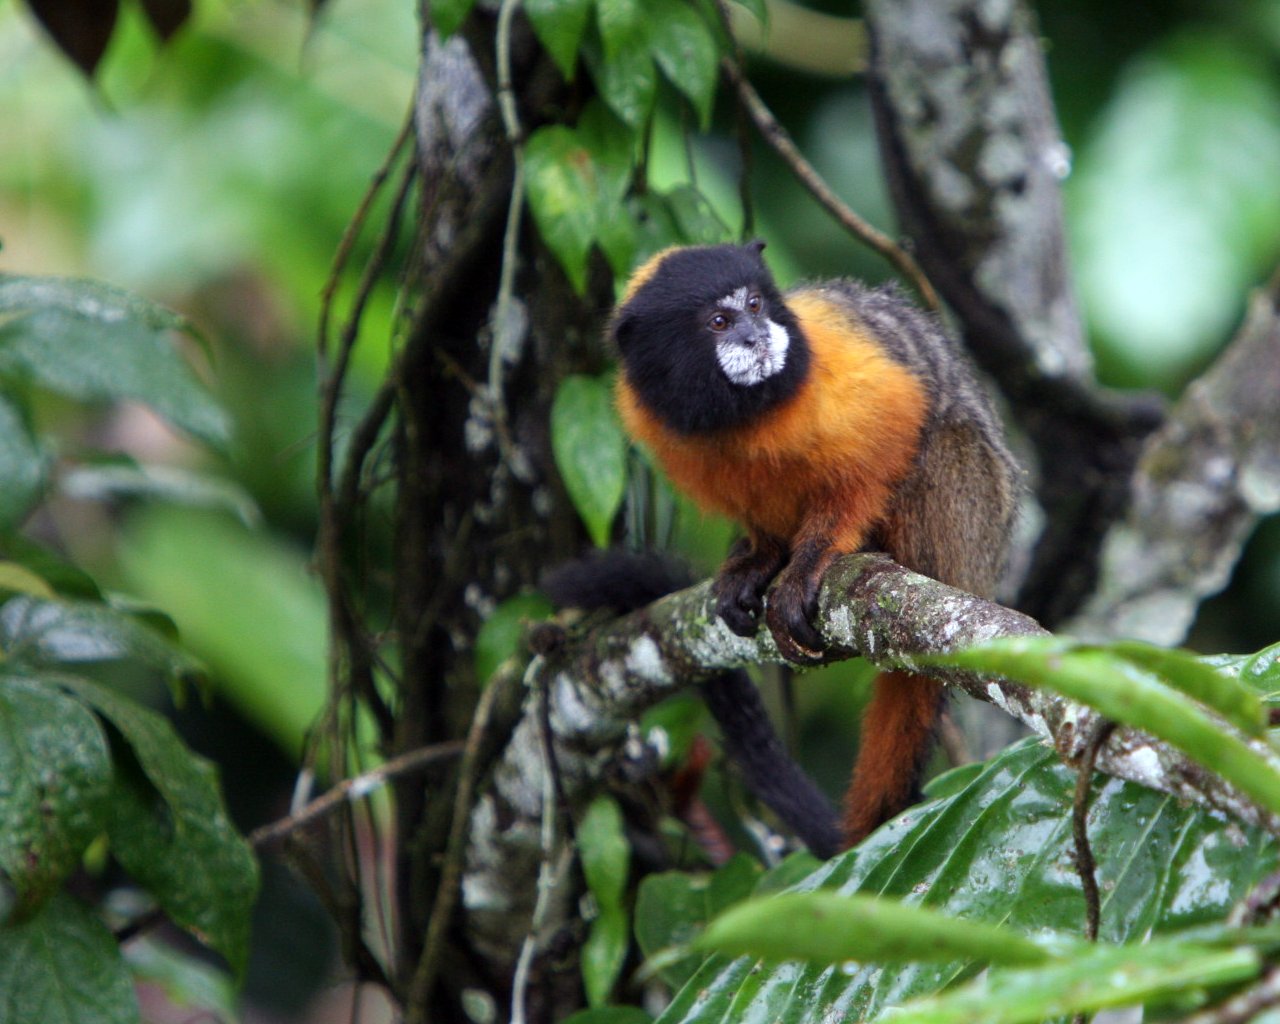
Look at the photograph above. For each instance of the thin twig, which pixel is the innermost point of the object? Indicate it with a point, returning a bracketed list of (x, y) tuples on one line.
[(504, 307), (428, 966), (773, 133), (549, 873), (343, 253), (355, 789), (1085, 864)]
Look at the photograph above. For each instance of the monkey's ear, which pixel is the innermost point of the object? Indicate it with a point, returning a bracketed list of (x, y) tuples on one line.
[(622, 327), (757, 244)]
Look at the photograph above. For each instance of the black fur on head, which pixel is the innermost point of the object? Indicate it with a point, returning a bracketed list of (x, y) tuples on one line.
[(668, 345)]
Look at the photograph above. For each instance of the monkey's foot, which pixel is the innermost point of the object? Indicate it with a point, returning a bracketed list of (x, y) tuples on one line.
[(739, 586), (793, 605)]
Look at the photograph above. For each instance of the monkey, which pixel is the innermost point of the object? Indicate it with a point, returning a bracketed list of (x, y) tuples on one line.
[(830, 419), (623, 581)]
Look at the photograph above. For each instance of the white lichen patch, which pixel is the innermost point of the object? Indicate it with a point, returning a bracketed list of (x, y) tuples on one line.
[(645, 661), (569, 712), (1142, 765)]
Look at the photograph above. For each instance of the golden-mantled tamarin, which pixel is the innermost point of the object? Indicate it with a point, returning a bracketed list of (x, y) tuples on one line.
[(827, 420)]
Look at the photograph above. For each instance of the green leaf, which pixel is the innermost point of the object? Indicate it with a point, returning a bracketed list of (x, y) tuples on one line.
[(696, 218), (63, 967), (182, 846), (55, 778), (606, 861), (65, 578), (448, 15), (560, 179), (1262, 670), (96, 344), (1126, 694), (23, 466), (604, 953), (44, 634), (756, 7), (1093, 979), (559, 26), (825, 927), (1198, 679), (604, 850), (18, 579), (590, 451), (625, 75), (686, 51), (501, 634), (628, 82), (673, 907), (246, 602), (117, 479), (1000, 850)]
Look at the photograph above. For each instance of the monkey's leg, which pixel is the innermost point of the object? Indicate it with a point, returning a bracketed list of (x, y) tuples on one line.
[(740, 584)]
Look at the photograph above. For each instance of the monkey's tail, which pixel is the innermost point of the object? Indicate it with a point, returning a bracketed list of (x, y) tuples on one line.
[(898, 731), (625, 581), (768, 770)]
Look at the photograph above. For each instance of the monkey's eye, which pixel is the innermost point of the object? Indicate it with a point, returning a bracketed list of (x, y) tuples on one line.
[(755, 304), (718, 322)]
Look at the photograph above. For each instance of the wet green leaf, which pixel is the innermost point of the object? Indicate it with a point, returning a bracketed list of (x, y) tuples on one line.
[(169, 828), (63, 967), (23, 465), (827, 927), (559, 26), (91, 342), (55, 778), (1126, 694), (686, 51)]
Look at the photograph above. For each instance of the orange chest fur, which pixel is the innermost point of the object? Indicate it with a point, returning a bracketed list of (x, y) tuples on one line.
[(836, 447)]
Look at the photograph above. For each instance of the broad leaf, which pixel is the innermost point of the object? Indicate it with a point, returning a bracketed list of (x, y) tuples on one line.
[(826, 927), (606, 861), (92, 342), (625, 76), (501, 634), (560, 178), (63, 967), (684, 47), (672, 907), (590, 451), (169, 828), (448, 15), (1000, 850), (1125, 692), (39, 633), (65, 578), (559, 25), (23, 465), (1092, 979), (55, 779)]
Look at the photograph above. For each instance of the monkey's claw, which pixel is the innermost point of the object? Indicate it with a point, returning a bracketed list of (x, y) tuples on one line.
[(789, 616)]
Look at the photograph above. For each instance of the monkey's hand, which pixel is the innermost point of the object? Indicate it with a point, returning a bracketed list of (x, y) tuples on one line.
[(740, 584)]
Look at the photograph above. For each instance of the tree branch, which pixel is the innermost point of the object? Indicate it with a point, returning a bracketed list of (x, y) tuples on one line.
[(598, 685), (1202, 483)]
